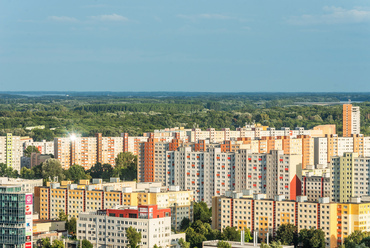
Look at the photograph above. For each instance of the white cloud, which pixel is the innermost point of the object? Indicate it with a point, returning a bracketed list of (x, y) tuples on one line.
[(206, 16), (62, 18), (112, 17), (333, 15)]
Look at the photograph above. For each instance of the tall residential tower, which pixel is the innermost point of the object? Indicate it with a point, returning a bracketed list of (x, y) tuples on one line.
[(351, 120)]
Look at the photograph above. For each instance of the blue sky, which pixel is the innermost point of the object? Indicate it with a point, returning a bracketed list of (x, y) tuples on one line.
[(217, 46)]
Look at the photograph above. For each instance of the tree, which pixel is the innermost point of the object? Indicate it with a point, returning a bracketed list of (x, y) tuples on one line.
[(104, 171), (7, 171), (312, 238), (264, 245), (285, 234), (71, 225), (355, 238), (37, 170), (223, 244), (126, 166), (62, 216), (52, 168), (185, 223), (247, 235), (202, 212), (30, 149), (195, 239), (183, 243), (45, 243), (86, 244), (231, 233), (125, 159), (366, 241), (75, 173), (276, 244), (133, 236), (57, 244), (27, 173)]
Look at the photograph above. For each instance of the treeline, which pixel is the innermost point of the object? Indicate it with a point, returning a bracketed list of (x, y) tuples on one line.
[(141, 107), (112, 116)]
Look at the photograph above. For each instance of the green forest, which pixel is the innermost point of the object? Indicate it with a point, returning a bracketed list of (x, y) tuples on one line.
[(112, 114)]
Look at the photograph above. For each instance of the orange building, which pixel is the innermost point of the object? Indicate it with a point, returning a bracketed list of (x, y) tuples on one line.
[(87, 151), (351, 120)]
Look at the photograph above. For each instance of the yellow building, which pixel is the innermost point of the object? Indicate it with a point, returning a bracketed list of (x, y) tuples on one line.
[(336, 220), (74, 199)]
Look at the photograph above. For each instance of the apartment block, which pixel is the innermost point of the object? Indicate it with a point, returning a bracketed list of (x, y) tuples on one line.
[(207, 173), (152, 160), (44, 147), (87, 151), (74, 199), (330, 146), (11, 151), (108, 227), (351, 120), (350, 176), (271, 174), (213, 172), (337, 220), (316, 187)]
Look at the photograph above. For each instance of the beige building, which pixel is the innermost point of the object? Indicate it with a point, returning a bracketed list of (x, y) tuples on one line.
[(43, 226), (337, 220)]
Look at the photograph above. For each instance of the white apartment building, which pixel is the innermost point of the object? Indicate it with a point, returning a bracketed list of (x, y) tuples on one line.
[(356, 120), (206, 173), (45, 147), (273, 173), (107, 228), (212, 173)]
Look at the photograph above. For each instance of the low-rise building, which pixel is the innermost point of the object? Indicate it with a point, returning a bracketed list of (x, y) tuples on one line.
[(43, 226)]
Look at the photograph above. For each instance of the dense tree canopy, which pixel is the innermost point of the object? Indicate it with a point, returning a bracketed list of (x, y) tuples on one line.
[(112, 116), (286, 234), (86, 244), (7, 171), (75, 173), (29, 150), (126, 166), (202, 212), (104, 171), (52, 168)]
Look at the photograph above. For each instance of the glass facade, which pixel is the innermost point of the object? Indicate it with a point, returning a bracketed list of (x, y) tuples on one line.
[(12, 217)]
